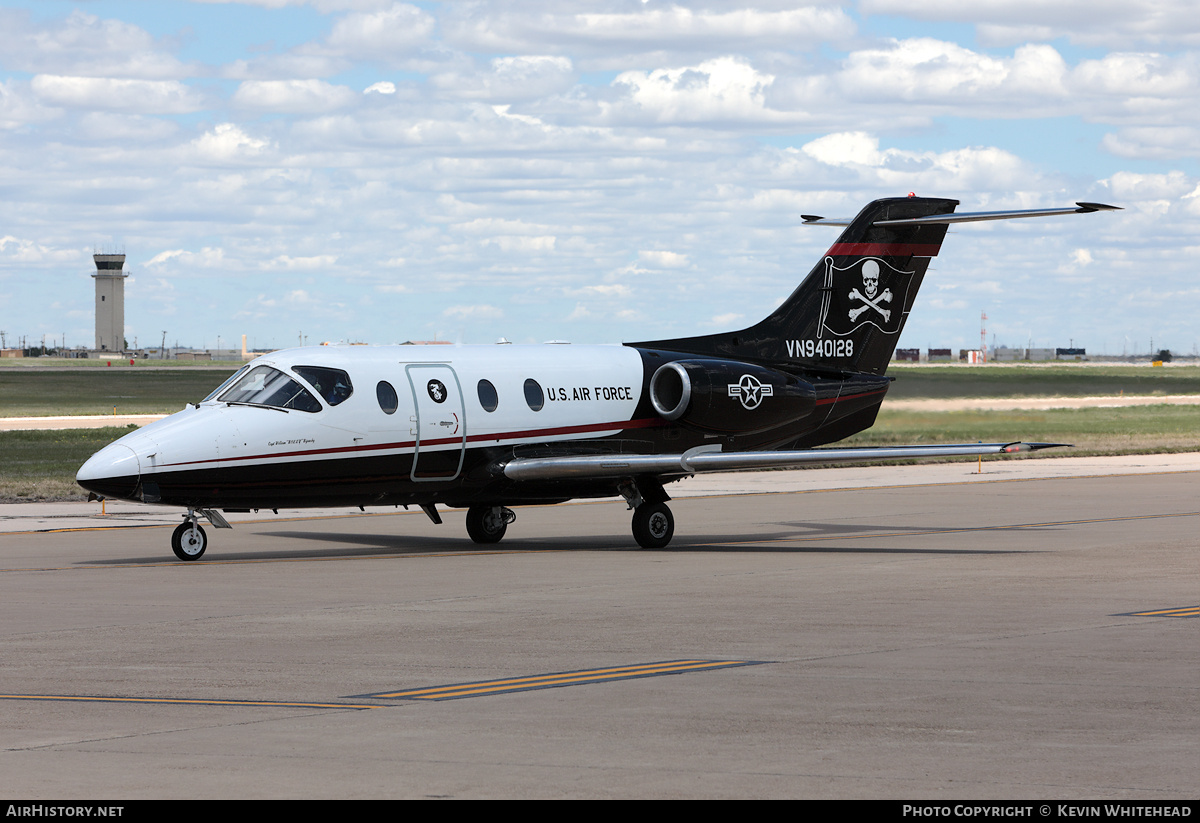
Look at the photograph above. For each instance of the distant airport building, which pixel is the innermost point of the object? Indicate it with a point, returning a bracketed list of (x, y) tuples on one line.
[(110, 302), (1005, 354)]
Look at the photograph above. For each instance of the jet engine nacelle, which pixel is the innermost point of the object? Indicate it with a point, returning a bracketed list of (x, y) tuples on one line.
[(729, 397)]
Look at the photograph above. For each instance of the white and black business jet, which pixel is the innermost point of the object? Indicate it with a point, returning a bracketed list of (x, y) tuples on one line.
[(489, 427)]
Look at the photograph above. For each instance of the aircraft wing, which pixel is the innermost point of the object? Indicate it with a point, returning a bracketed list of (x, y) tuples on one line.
[(712, 459)]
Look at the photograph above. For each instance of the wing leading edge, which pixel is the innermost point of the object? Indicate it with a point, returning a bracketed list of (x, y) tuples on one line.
[(712, 459)]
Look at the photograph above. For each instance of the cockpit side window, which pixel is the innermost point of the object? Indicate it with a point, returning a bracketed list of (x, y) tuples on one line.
[(265, 386), (332, 384), (229, 382)]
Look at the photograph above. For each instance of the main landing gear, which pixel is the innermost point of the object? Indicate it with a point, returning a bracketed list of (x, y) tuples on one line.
[(487, 524), (653, 525)]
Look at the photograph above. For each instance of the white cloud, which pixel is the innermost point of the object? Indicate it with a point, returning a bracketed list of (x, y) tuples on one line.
[(650, 30), (25, 251), (227, 142), (920, 67), (961, 169), (299, 96), (1129, 75), (18, 108), (128, 129), (521, 243), (510, 78), (554, 157), (1112, 23), (286, 66), (846, 148), (663, 259), (1157, 142), (726, 320), (1132, 186), (85, 45), (386, 35), (206, 258), (313, 263), (726, 88), (323, 6), (611, 291), (115, 94)]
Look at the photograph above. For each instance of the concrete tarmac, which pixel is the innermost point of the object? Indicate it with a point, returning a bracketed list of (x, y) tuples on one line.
[(917, 635)]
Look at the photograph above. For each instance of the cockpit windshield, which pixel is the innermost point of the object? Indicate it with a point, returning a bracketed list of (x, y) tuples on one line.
[(229, 381), (265, 386)]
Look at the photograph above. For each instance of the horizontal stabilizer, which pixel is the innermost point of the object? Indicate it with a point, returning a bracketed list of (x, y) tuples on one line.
[(711, 459), (964, 217)]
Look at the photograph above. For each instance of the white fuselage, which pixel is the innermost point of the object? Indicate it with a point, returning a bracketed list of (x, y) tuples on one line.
[(427, 405)]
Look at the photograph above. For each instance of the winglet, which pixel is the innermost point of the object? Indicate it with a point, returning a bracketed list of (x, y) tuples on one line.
[(1033, 447), (818, 220)]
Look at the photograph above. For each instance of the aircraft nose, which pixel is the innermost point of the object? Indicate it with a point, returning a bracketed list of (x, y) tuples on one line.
[(111, 472)]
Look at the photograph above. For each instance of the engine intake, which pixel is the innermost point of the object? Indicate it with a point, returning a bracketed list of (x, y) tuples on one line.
[(729, 397)]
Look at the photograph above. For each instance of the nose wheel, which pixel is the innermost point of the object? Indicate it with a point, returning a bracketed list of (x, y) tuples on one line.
[(653, 525), (189, 541)]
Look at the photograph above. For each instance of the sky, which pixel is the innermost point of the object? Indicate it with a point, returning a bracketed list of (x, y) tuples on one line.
[(598, 171)]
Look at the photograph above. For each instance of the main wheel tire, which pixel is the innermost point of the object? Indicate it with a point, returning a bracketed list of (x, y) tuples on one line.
[(653, 525), (486, 524), (189, 541)]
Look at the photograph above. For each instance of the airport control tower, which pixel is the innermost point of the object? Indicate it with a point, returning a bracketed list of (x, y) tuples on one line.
[(110, 302)]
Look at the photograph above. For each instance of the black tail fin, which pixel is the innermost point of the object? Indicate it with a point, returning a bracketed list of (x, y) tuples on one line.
[(848, 313)]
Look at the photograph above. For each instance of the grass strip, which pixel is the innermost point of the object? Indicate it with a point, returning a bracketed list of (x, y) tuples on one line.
[(44, 393), (41, 465), (913, 382), (1097, 431)]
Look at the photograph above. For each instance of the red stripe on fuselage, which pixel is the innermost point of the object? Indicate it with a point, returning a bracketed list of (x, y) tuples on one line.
[(884, 249), (442, 441)]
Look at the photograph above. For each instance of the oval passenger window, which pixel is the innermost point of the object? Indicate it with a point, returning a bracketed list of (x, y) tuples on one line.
[(487, 396), (533, 395), (387, 397)]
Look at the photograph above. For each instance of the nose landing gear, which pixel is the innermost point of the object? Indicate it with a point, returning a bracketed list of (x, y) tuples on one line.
[(189, 541)]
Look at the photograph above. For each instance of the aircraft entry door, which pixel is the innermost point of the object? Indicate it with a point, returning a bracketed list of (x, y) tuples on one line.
[(439, 422)]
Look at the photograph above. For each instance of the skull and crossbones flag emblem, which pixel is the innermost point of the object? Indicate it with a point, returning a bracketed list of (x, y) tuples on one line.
[(870, 291)]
